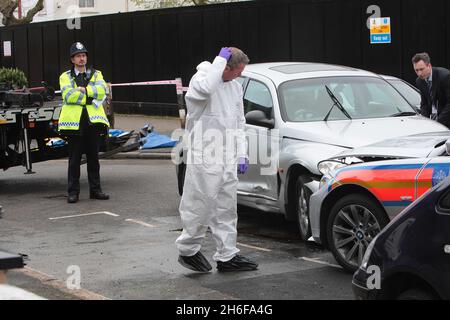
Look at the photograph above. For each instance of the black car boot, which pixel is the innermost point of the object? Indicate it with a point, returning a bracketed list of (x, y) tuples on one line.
[(197, 262), (238, 263)]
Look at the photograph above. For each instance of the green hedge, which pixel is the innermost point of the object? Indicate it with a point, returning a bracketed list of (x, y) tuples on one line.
[(13, 78)]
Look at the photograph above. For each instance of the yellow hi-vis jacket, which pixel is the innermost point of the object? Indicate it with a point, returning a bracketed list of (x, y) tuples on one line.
[(75, 100)]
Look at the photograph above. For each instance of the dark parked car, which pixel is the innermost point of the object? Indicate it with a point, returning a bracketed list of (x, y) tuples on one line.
[(412, 254)]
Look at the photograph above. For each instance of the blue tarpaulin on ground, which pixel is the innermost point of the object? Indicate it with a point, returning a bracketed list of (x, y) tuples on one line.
[(156, 140), (117, 132)]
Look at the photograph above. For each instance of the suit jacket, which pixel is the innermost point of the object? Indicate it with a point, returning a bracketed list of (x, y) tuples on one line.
[(440, 95)]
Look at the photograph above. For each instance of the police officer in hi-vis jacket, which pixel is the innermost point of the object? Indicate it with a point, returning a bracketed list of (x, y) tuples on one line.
[(83, 121)]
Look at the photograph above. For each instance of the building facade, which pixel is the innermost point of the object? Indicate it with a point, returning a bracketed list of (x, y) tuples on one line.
[(64, 9)]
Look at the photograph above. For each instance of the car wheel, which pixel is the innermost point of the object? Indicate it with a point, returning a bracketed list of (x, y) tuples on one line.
[(416, 294), (302, 196), (353, 223)]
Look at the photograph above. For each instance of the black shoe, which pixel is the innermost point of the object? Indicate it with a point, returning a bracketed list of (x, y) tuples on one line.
[(72, 198), (197, 262), (238, 263), (99, 195)]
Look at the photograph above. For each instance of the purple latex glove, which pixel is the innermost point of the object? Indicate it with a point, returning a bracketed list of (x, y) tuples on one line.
[(242, 165), (225, 53)]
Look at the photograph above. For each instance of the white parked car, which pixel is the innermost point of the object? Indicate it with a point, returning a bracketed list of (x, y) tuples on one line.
[(303, 113)]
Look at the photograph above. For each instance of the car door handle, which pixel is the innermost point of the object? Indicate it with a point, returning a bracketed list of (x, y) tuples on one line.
[(260, 189)]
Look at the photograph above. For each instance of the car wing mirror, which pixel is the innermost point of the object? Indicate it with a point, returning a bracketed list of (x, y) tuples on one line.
[(258, 118)]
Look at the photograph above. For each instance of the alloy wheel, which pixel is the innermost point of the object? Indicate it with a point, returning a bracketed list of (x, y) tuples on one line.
[(303, 215), (354, 227)]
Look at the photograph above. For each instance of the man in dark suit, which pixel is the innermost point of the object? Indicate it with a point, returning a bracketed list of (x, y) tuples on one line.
[(434, 86)]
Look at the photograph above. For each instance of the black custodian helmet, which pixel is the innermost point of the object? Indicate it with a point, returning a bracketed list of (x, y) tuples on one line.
[(76, 48)]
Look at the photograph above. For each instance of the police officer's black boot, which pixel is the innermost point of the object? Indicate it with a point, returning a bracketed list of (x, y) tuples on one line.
[(72, 198), (99, 195)]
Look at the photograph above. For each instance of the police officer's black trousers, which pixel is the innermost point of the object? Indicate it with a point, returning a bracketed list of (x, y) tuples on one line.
[(87, 143)]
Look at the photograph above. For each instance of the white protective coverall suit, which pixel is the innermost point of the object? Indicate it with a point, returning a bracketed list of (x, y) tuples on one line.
[(209, 198)]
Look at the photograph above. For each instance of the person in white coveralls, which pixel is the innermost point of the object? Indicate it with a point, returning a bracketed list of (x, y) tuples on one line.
[(217, 152)]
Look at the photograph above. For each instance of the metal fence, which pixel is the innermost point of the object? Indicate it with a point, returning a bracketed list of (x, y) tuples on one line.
[(169, 43)]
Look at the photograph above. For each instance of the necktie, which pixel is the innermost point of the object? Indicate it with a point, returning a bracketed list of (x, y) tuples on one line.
[(430, 94), (430, 89)]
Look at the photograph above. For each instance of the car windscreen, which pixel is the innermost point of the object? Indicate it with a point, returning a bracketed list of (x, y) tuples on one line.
[(408, 92), (306, 100)]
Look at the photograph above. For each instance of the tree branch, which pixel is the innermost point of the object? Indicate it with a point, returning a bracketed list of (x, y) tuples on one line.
[(32, 12), (7, 8)]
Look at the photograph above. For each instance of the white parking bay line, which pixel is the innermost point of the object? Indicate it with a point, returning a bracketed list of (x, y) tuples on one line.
[(141, 223), (315, 260), (253, 247), (85, 214)]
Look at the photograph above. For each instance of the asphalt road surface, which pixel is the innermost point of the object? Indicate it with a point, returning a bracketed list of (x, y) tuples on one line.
[(124, 248)]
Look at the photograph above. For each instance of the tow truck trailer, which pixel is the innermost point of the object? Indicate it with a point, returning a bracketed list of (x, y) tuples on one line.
[(29, 128)]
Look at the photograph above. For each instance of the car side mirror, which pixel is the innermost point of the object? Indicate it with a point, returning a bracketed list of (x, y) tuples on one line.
[(447, 147), (258, 118)]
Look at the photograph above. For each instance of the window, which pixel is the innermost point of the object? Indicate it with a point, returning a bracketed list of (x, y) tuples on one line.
[(378, 94), (87, 3), (241, 80), (407, 91), (258, 97), (307, 100)]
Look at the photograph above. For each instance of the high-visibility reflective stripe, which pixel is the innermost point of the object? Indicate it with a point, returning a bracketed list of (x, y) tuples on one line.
[(70, 92), (95, 93), (97, 117), (69, 124), (80, 98), (68, 95), (72, 81), (66, 87)]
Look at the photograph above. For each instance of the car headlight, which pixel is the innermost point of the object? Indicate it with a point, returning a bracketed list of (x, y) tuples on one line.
[(328, 166), (367, 254)]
